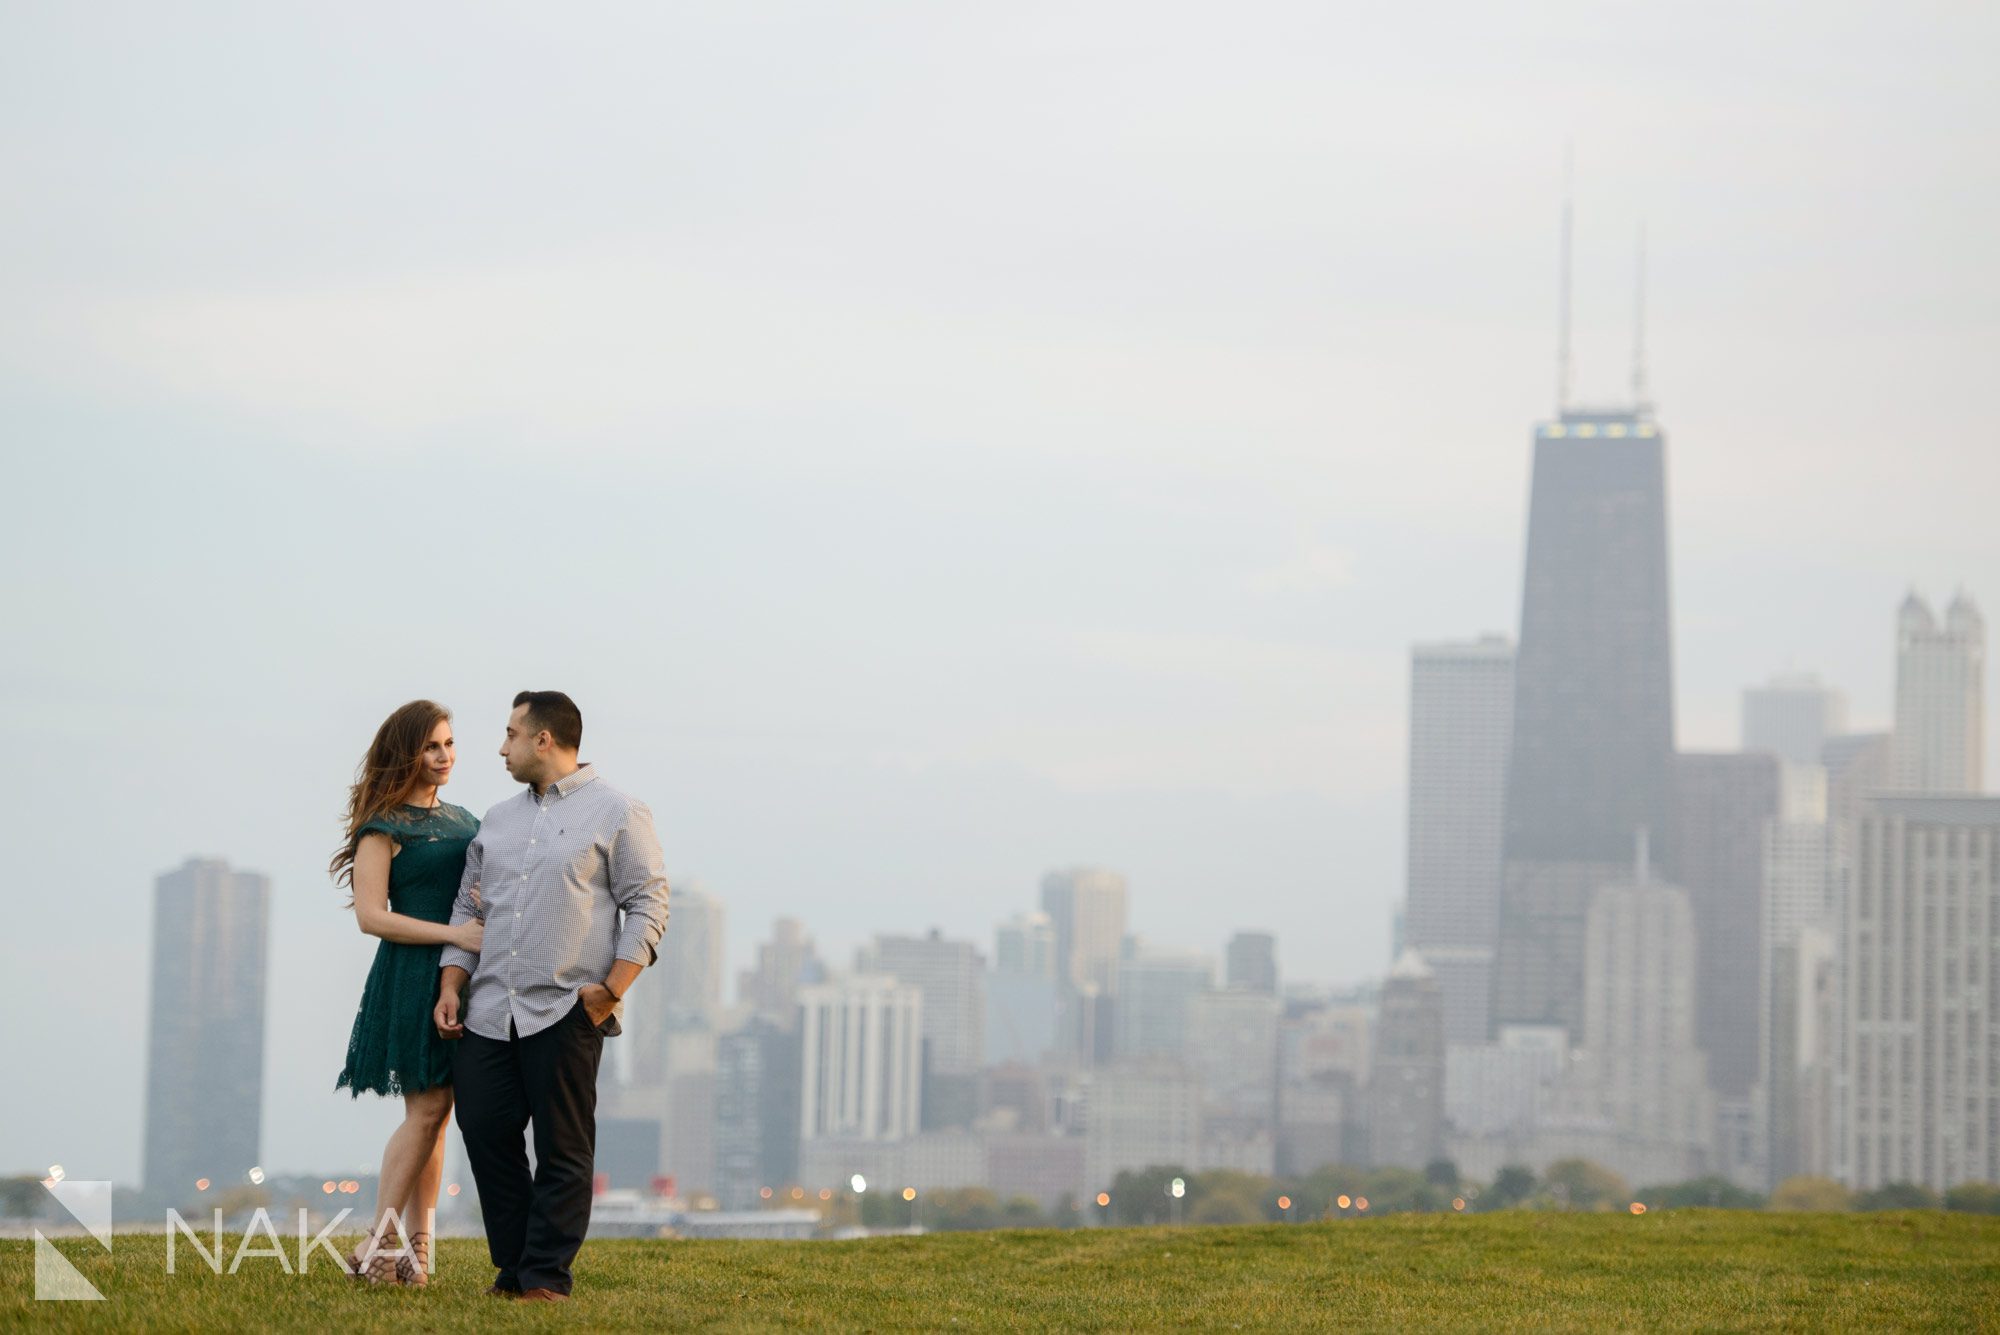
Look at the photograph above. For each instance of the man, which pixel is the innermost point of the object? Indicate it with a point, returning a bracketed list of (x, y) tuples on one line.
[(567, 876)]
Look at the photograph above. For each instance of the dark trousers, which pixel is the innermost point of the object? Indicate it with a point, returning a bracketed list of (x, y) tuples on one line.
[(534, 1225)]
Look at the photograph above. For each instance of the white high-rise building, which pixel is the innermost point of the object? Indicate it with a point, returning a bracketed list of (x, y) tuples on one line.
[(1792, 717), (1796, 880), (1461, 728), (1939, 743), (1801, 1072), (1646, 1075), (1798, 896), (952, 977), (862, 1064), (1922, 951), (1087, 908)]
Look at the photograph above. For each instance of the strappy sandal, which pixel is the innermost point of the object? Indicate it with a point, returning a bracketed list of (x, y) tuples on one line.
[(414, 1265), (384, 1267)]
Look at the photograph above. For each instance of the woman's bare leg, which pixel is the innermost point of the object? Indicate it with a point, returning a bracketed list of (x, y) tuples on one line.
[(410, 1148), (420, 1207)]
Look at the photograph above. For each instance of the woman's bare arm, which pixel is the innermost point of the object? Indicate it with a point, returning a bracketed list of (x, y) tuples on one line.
[(371, 903)]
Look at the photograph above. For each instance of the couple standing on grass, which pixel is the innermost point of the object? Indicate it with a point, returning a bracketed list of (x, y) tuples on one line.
[(507, 948)]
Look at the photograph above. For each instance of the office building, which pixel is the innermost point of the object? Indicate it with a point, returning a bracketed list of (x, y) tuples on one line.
[(1792, 717), (1151, 1012), (861, 1069), (1922, 954), (1461, 732), (951, 975), (1725, 804), (1250, 964), (1939, 741), (785, 963), (1406, 1085), (1086, 906), (205, 1045), (757, 1100), (1641, 1061), (1593, 722)]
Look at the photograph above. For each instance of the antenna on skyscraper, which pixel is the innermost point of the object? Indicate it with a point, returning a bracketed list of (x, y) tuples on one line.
[(1562, 297), (1640, 407)]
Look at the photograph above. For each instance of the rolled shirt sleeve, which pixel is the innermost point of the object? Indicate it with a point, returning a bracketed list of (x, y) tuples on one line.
[(463, 910), (639, 887), (570, 881)]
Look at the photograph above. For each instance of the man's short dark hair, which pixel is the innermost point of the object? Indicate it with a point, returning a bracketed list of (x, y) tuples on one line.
[(555, 712)]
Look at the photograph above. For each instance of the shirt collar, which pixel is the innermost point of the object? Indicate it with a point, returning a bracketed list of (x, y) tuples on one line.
[(565, 786)]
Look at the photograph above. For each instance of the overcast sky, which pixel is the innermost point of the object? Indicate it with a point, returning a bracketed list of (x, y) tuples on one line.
[(934, 444)]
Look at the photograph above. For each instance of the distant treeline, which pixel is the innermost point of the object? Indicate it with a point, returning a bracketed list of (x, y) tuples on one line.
[(1334, 1192)]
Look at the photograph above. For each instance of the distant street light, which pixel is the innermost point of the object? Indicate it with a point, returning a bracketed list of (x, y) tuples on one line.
[(859, 1183)]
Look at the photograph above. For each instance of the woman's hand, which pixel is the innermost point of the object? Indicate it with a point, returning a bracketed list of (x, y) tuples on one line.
[(469, 935)]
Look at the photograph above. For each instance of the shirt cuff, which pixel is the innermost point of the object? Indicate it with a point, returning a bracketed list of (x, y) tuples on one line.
[(464, 959), (636, 951)]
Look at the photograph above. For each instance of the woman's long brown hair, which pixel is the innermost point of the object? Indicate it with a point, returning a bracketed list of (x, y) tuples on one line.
[(390, 772)]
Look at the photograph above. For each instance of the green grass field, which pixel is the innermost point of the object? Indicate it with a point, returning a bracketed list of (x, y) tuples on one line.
[(1505, 1271)]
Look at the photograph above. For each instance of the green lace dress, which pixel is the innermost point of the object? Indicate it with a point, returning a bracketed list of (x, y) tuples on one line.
[(394, 1048)]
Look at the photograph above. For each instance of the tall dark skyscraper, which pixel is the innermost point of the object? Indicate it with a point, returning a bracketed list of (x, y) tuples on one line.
[(1591, 762), (1724, 806), (756, 1112), (205, 1053)]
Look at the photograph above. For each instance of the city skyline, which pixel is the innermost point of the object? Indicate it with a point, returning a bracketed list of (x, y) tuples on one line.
[(1003, 490)]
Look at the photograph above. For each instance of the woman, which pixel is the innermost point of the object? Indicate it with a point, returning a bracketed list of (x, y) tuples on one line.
[(403, 856)]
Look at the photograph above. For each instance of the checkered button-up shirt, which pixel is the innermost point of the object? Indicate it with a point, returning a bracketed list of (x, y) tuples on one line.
[(568, 881)]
